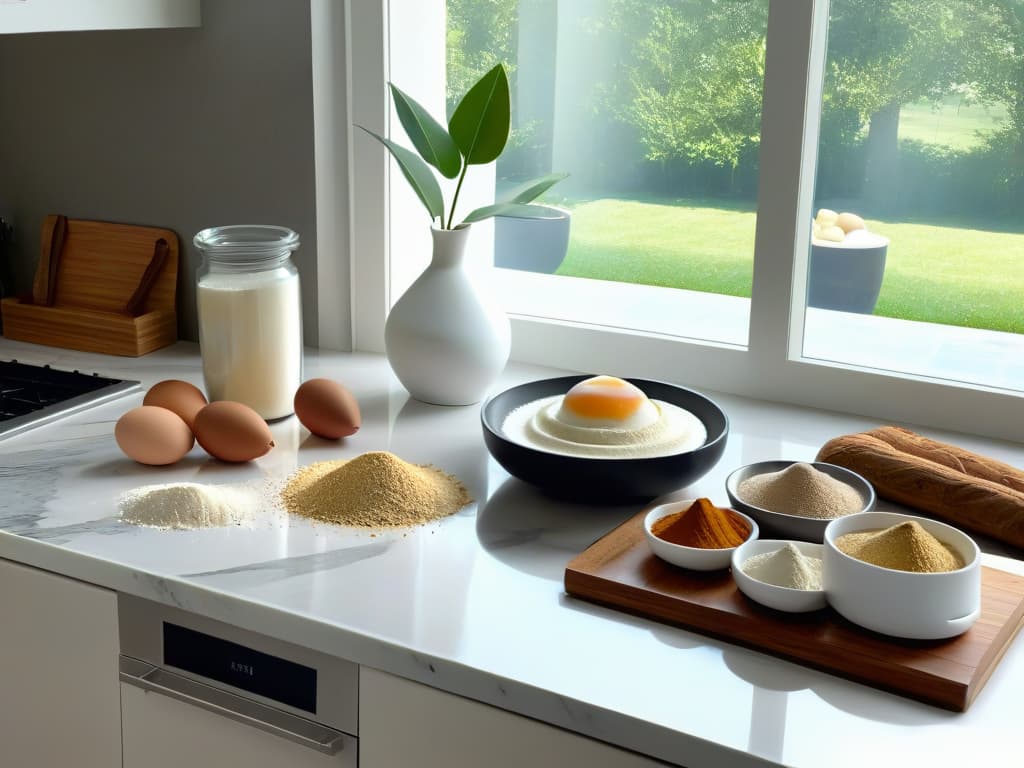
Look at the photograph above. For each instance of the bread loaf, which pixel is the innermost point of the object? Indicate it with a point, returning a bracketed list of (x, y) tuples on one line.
[(968, 500), (951, 456)]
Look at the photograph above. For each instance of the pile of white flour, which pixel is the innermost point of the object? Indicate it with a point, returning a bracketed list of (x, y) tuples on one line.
[(187, 506)]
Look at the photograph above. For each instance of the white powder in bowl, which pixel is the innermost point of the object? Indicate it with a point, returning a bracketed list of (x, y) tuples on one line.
[(785, 567), (187, 506)]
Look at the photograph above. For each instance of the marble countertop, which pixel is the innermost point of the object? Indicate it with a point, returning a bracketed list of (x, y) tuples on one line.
[(474, 604)]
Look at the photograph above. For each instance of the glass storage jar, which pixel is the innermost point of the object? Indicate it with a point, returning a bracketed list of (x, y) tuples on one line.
[(250, 316)]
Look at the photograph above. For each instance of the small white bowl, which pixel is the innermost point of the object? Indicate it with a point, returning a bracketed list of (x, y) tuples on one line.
[(694, 558), (771, 595), (917, 606)]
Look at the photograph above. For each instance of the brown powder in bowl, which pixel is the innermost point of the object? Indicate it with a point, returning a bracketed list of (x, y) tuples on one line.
[(374, 490), (702, 525), (903, 547)]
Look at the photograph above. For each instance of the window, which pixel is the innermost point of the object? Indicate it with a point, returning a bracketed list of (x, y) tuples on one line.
[(920, 140), (662, 188), (776, 358)]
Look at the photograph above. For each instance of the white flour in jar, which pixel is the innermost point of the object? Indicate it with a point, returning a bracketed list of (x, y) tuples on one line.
[(187, 506), (250, 334)]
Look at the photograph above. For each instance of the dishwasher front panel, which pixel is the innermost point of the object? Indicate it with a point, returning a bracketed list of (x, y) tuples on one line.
[(163, 731), (297, 681)]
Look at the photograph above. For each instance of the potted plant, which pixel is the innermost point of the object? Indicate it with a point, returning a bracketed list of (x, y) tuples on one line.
[(446, 340)]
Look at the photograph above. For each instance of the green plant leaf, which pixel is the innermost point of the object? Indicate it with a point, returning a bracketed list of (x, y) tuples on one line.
[(531, 190), (512, 210), (427, 135), (481, 121), (418, 174)]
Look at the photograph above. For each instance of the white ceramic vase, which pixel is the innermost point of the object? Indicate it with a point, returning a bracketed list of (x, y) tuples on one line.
[(446, 338)]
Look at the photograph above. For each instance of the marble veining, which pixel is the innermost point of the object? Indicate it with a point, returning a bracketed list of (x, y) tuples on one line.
[(474, 604), (270, 570)]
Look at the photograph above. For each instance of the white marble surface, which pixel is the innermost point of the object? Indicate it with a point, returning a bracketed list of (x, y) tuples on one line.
[(475, 604)]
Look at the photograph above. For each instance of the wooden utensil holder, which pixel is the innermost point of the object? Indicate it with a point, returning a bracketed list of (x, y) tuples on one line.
[(99, 287)]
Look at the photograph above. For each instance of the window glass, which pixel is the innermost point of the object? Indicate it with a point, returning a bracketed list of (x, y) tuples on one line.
[(921, 155), (654, 109)]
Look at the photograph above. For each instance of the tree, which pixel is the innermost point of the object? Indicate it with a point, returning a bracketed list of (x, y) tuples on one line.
[(886, 54), (690, 83), (998, 69), (481, 33), (693, 80)]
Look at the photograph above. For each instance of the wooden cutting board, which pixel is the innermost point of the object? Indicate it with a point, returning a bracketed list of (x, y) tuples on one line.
[(620, 571)]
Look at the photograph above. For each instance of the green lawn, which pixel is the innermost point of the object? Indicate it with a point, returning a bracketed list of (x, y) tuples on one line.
[(939, 274), (952, 125)]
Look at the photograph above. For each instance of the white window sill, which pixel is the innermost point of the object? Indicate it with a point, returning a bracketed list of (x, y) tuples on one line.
[(649, 309), (992, 359)]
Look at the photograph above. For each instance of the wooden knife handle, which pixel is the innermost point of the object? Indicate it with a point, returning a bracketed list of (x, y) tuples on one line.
[(44, 286), (156, 263), (60, 232)]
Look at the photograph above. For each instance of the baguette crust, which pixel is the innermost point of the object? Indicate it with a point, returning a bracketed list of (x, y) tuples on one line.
[(951, 456), (982, 505)]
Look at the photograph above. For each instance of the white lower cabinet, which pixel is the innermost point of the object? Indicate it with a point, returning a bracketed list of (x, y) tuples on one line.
[(408, 724), (62, 705), (59, 698), (161, 732)]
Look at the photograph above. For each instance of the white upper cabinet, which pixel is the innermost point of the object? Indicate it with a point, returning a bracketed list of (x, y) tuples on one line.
[(78, 15)]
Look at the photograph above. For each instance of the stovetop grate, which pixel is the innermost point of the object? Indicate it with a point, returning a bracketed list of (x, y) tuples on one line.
[(31, 395)]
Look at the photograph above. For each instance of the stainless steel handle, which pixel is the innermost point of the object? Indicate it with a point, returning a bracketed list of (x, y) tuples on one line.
[(292, 727)]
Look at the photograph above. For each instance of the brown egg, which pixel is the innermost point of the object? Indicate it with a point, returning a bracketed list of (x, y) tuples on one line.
[(849, 222), (153, 435), (327, 409), (232, 431), (183, 398)]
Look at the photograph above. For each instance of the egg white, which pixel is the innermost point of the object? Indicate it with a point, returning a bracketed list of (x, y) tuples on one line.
[(536, 425)]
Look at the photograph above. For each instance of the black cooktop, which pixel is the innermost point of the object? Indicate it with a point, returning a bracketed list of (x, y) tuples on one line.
[(31, 395)]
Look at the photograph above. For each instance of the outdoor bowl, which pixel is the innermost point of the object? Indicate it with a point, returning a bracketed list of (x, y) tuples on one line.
[(694, 558), (598, 479), (793, 526), (917, 606), (771, 595)]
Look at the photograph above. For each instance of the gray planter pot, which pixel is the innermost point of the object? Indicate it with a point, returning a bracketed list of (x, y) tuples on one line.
[(534, 245), (846, 278)]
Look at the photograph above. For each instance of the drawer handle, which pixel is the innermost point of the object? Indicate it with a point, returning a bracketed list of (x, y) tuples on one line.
[(297, 729)]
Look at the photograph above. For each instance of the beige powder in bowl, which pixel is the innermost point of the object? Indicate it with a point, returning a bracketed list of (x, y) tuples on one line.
[(903, 547), (374, 490), (801, 489)]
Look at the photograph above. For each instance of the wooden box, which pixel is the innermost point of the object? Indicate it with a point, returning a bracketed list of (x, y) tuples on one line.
[(99, 287)]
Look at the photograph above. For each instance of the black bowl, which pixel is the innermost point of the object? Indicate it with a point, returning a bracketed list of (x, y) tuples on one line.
[(594, 479)]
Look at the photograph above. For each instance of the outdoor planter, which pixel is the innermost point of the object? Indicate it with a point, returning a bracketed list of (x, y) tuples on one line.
[(847, 276), (534, 245)]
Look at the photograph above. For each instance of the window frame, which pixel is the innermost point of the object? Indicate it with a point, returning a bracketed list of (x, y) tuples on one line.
[(771, 367)]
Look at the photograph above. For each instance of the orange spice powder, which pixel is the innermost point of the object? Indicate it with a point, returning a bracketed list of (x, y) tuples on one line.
[(703, 525)]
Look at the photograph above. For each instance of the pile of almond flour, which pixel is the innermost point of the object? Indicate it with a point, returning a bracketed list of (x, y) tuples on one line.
[(801, 489), (374, 490)]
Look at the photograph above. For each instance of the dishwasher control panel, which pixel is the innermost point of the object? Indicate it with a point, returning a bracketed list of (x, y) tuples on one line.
[(286, 682), (176, 645)]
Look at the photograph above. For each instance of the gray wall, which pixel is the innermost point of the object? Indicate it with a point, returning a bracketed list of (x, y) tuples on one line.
[(182, 128)]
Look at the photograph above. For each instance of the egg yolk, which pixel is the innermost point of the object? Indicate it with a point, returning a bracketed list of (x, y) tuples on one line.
[(604, 397)]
